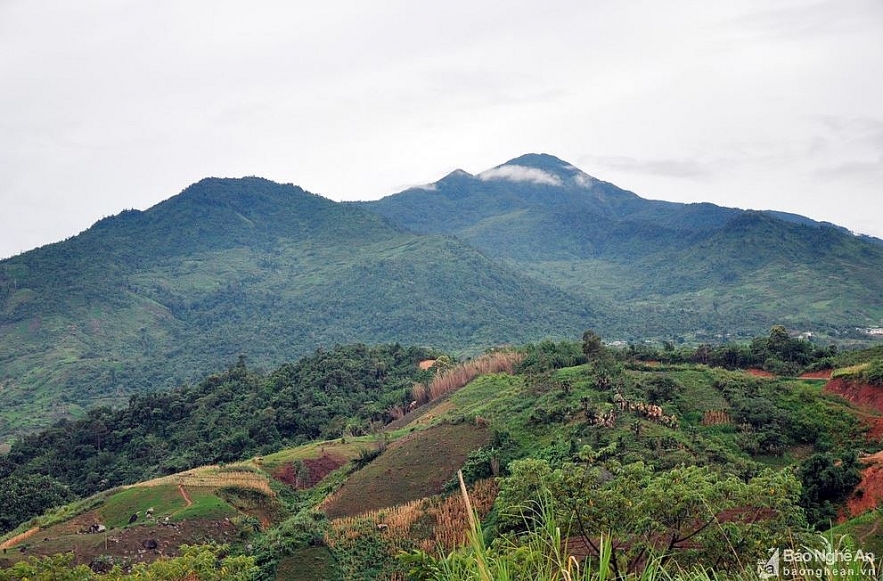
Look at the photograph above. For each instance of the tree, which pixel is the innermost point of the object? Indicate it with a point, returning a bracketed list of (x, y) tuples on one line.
[(688, 515), (24, 496), (593, 348), (206, 562), (826, 482)]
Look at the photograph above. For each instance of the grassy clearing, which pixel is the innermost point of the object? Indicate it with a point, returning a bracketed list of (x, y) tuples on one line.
[(206, 506), (866, 530), (165, 500)]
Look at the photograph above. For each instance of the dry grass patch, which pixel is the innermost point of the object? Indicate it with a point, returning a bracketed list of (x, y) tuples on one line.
[(453, 379), (434, 524)]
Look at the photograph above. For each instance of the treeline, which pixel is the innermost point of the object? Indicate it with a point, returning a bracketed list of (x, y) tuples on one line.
[(778, 353), (226, 417)]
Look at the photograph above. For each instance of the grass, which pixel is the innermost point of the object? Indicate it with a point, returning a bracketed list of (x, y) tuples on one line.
[(166, 500), (206, 506), (851, 371), (865, 529), (348, 449)]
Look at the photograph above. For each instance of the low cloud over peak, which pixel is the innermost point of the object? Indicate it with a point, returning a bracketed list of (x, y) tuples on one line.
[(520, 173)]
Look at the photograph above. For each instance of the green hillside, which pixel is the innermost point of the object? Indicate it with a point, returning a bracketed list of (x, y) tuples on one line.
[(664, 270), (532, 249), (769, 459), (153, 299)]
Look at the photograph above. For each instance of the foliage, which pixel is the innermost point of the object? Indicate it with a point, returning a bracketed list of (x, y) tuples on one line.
[(23, 496), (690, 515), (206, 563), (827, 481)]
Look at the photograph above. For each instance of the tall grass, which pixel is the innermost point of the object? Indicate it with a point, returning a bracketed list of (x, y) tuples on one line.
[(453, 379)]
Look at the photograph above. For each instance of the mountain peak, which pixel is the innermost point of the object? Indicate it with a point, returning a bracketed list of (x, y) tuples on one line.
[(539, 169)]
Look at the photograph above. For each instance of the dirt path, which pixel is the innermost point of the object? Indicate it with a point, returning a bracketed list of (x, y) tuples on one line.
[(19, 538), (185, 495)]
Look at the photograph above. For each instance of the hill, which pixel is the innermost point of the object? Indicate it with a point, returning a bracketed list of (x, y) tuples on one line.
[(587, 422), (153, 299), (664, 269)]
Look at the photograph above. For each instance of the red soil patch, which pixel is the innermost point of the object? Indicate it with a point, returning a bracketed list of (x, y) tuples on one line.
[(866, 396), (823, 374), (759, 373), (426, 364), (869, 493), (315, 469), (858, 393)]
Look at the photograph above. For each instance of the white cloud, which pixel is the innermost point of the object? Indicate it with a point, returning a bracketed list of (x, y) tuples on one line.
[(583, 180), (520, 173)]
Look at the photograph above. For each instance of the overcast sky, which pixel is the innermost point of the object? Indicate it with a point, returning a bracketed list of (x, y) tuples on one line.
[(116, 104)]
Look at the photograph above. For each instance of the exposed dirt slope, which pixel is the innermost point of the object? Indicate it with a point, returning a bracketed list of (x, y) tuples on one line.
[(869, 493)]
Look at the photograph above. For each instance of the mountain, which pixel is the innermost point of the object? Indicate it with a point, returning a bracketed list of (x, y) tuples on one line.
[(152, 299), (530, 249), (668, 269)]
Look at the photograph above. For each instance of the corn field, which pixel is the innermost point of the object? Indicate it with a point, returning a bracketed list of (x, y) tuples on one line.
[(453, 379), (438, 524), (213, 477)]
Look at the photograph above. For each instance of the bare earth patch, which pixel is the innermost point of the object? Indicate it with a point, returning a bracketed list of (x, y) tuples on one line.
[(416, 466)]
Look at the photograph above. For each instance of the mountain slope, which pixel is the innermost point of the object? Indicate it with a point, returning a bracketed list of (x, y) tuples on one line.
[(151, 299), (668, 268)]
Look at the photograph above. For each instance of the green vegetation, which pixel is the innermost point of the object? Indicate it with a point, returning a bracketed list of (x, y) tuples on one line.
[(649, 460), (150, 300), (658, 270), (206, 563), (544, 551), (229, 416)]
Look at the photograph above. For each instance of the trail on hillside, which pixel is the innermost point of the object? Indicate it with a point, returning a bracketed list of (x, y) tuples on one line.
[(185, 495), (19, 538)]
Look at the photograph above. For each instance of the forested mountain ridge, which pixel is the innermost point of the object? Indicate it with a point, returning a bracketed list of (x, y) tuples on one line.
[(676, 269), (531, 249), (152, 299)]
